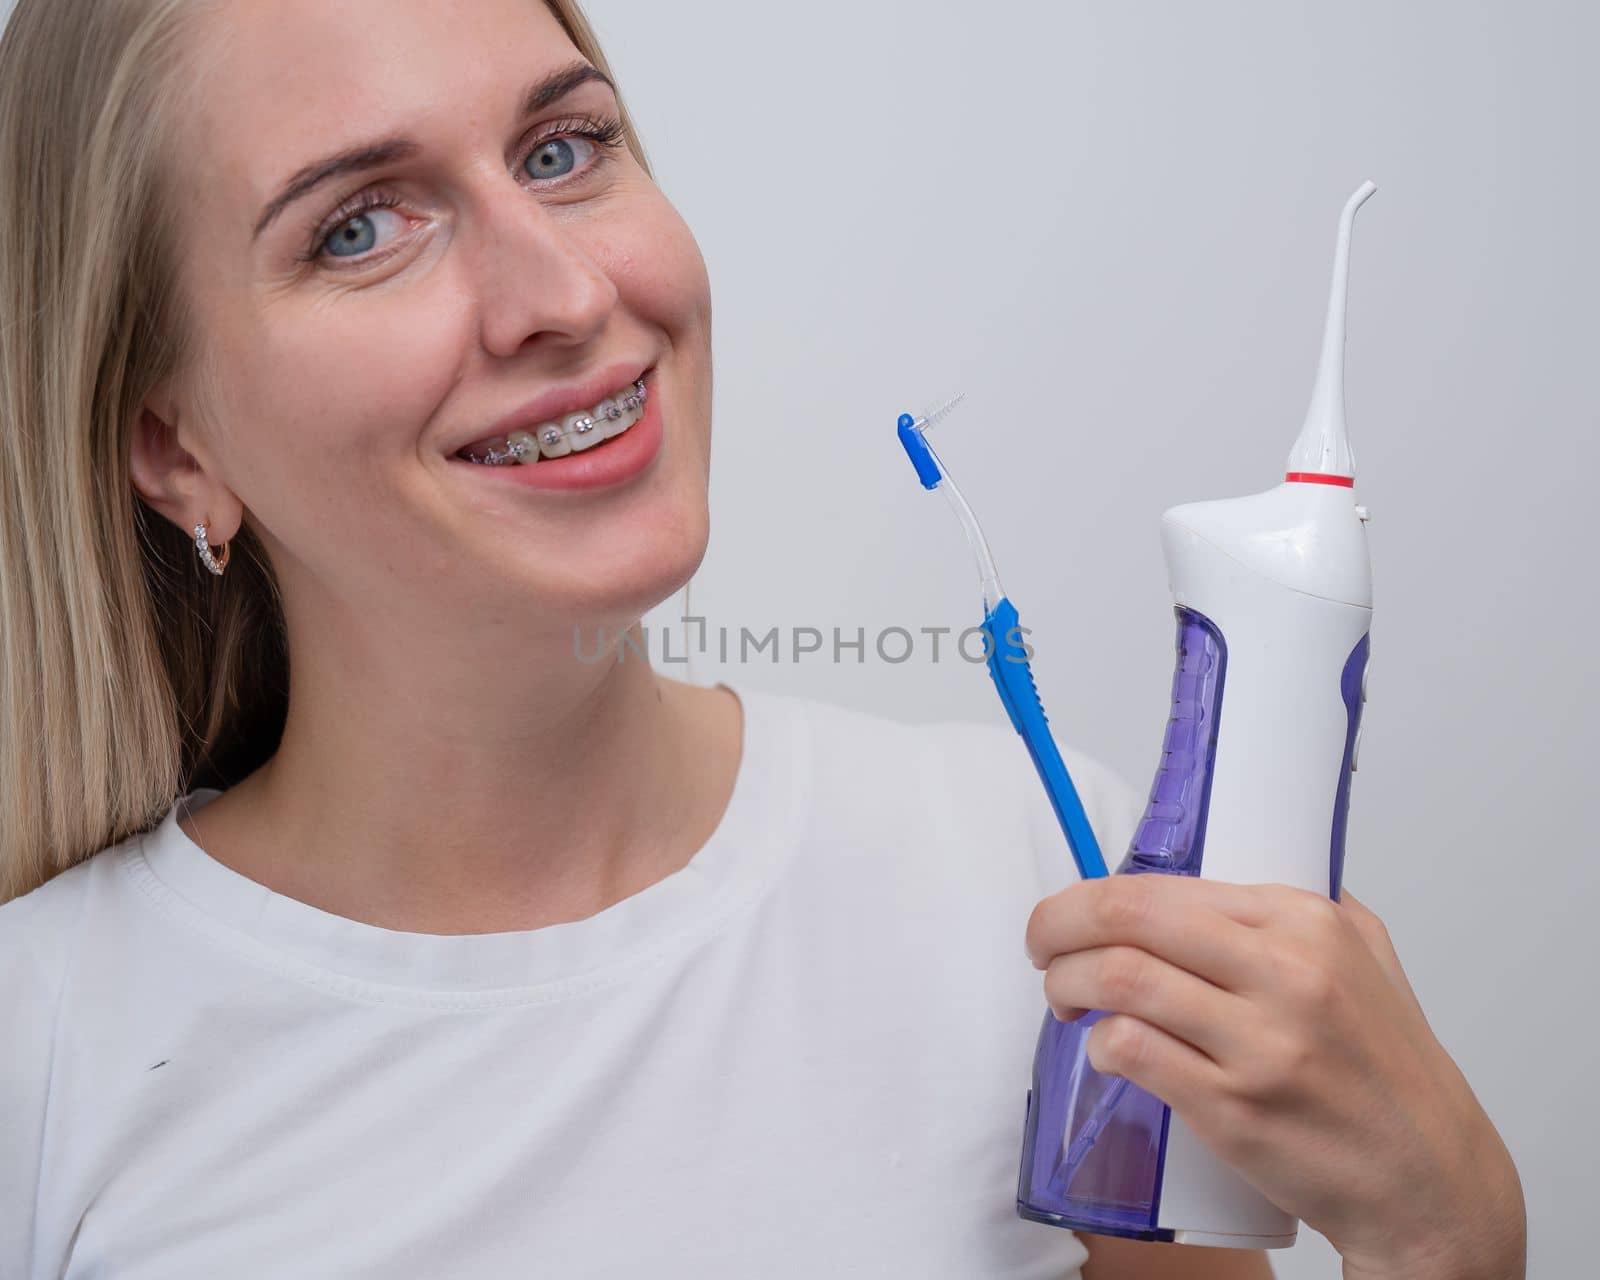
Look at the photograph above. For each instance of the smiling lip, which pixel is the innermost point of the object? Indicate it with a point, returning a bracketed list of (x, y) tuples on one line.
[(560, 401), (611, 462)]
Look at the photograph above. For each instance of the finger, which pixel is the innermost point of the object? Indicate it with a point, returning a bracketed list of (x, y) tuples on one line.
[(1177, 1073), (1376, 935), (1206, 927), (1127, 980)]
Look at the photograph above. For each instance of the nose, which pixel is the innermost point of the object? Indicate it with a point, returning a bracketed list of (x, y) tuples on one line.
[(536, 279)]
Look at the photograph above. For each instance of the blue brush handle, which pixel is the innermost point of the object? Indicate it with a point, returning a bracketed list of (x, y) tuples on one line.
[(1013, 678)]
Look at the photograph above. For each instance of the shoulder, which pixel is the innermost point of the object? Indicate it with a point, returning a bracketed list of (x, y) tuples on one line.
[(37, 928), (40, 934), (46, 936)]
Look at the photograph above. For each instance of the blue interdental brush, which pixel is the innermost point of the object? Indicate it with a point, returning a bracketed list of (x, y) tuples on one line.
[(1007, 659)]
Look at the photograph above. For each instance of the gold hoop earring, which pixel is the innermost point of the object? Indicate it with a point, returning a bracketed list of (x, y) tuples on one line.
[(204, 548)]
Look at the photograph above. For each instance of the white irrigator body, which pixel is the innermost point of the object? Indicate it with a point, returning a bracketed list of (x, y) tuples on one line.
[(1273, 594)]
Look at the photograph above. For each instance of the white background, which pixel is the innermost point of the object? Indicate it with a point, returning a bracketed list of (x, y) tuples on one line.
[(1112, 226)]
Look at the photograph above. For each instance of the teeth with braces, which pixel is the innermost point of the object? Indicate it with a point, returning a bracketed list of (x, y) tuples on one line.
[(577, 431)]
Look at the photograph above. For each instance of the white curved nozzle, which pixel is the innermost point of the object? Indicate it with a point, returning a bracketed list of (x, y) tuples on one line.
[(1323, 447)]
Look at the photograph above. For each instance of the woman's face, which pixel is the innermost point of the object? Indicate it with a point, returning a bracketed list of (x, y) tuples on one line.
[(354, 350)]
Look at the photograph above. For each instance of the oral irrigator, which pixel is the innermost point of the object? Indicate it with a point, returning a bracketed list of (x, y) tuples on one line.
[(1273, 598)]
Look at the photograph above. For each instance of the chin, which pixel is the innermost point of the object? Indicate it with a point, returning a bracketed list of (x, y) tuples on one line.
[(626, 570)]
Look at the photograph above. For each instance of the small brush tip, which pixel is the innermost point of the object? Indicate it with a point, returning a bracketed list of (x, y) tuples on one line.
[(943, 409)]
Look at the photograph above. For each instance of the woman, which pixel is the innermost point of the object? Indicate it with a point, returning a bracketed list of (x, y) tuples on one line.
[(358, 922)]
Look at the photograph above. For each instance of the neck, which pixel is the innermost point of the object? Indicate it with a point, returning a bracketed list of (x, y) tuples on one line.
[(472, 796)]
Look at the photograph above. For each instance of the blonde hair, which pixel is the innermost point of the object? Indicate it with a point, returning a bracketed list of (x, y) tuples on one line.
[(128, 676)]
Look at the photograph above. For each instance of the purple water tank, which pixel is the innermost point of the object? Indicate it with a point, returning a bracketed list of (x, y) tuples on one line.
[(1093, 1144)]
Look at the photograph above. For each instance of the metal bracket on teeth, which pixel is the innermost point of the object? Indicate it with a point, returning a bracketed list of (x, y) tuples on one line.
[(514, 450)]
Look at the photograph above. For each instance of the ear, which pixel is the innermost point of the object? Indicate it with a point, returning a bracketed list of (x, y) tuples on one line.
[(174, 481)]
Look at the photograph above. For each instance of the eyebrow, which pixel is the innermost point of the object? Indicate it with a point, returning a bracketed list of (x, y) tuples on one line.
[(537, 96)]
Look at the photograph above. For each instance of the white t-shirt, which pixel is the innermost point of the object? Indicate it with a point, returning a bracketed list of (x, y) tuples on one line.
[(807, 1053)]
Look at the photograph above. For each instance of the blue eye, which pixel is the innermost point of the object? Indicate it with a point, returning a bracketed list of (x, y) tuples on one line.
[(356, 236), (554, 157), (353, 237)]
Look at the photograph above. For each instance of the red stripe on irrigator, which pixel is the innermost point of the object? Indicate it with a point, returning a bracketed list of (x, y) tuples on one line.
[(1316, 477)]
